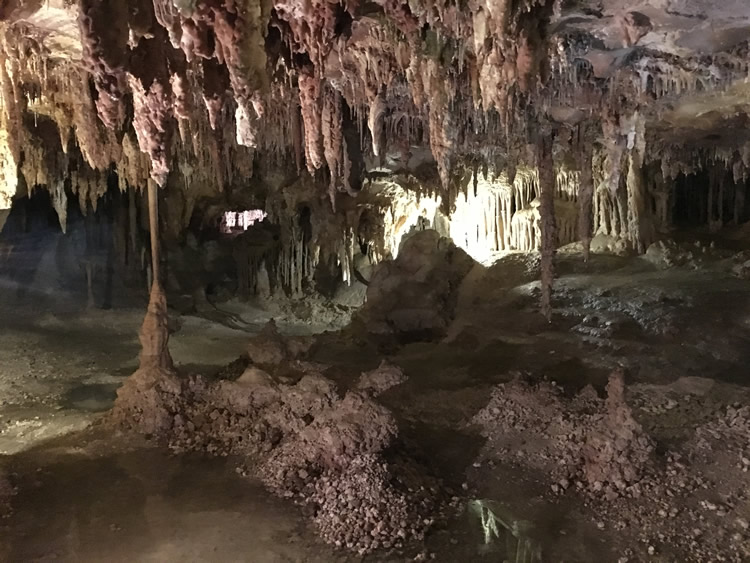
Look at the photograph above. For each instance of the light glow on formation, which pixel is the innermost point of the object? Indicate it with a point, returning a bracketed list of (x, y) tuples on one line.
[(233, 221)]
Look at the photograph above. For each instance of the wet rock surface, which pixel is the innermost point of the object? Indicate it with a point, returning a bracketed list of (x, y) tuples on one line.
[(653, 463), (269, 348)]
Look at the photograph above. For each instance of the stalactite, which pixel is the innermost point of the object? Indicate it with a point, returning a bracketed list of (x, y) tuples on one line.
[(441, 142), (525, 228), (12, 125), (183, 106), (104, 37), (548, 226), (152, 106), (309, 97), (215, 86), (247, 123), (463, 79), (166, 13), (60, 203), (8, 172), (297, 141), (98, 148), (333, 141), (376, 122), (312, 26), (238, 28), (133, 166)]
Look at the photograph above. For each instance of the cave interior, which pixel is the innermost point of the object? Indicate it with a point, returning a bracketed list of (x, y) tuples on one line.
[(449, 280)]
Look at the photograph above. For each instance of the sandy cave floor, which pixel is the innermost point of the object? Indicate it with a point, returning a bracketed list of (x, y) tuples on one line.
[(684, 331)]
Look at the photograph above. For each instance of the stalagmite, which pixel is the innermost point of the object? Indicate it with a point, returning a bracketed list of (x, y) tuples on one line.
[(388, 175), (548, 225)]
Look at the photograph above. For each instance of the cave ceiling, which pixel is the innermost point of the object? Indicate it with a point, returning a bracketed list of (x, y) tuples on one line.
[(217, 91)]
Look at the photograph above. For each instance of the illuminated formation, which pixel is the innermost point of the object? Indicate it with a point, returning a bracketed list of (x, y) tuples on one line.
[(241, 220), (400, 170)]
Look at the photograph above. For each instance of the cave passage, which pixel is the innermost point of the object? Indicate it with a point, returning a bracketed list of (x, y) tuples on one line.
[(338, 281)]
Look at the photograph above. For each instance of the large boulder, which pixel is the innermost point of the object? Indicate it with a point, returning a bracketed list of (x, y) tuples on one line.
[(416, 294)]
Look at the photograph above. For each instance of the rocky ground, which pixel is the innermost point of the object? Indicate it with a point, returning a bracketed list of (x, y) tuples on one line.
[(686, 500), (620, 432)]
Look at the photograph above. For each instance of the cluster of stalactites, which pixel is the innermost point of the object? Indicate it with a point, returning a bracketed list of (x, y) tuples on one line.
[(494, 213), (127, 52), (510, 212), (716, 181), (677, 160), (371, 69), (66, 96), (491, 215), (441, 75)]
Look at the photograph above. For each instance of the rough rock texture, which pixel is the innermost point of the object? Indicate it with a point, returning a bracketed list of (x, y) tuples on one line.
[(304, 440), (594, 442), (650, 95), (269, 348), (616, 452), (416, 294), (149, 396), (685, 500), (376, 382), (392, 503)]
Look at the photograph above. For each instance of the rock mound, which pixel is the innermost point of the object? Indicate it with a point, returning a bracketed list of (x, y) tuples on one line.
[(332, 454), (596, 443), (416, 294)]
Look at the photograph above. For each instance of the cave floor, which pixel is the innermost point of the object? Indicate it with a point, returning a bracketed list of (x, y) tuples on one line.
[(62, 363), (665, 326)]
